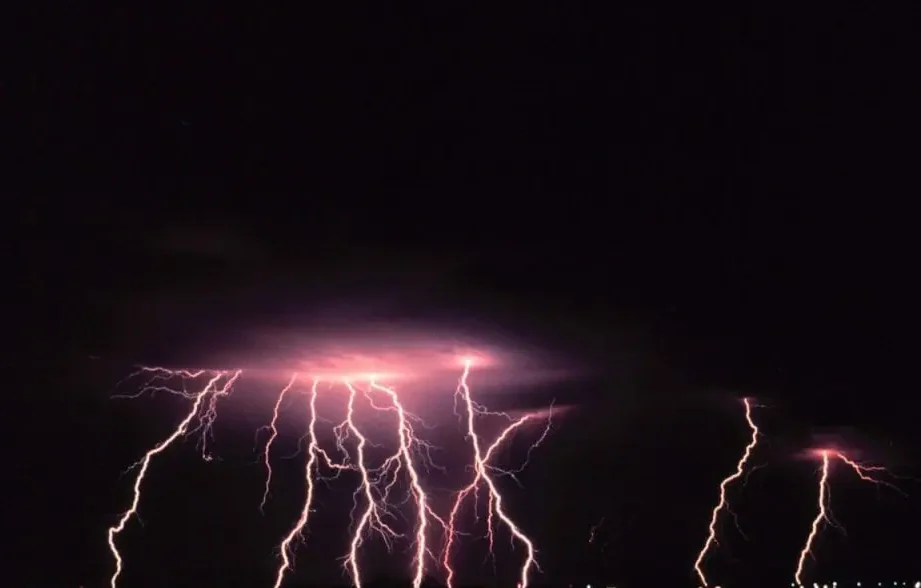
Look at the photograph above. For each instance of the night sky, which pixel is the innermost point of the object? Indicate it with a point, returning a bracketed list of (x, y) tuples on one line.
[(681, 210)]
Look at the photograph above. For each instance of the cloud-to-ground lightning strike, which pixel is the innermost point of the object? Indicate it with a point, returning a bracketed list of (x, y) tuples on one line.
[(273, 434), (374, 510), (313, 452), (823, 511), (482, 469), (424, 511), (209, 394), (375, 486), (723, 503), (472, 488)]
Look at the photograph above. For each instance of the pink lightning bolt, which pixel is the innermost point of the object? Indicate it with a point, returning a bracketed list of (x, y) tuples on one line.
[(373, 509), (471, 489), (823, 514), (481, 469), (285, 547), (723, 503), (272, 436), (372, 517), (314, 452), (376, 511), (406, 436), (209, 394)]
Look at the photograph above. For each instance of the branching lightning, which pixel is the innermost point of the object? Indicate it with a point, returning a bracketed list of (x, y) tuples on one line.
[(823, 510), (386, 485), (723, 503), (376, 499), (313, 453), (483, 471), (206, 398)]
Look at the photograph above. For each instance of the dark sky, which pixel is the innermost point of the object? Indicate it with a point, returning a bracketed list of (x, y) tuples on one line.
[(691, 208)]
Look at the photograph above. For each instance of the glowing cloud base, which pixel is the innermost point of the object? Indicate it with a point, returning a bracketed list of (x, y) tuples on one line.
[(374, 501)]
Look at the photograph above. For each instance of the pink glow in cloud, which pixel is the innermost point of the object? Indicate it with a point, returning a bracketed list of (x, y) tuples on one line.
[(398, 357)]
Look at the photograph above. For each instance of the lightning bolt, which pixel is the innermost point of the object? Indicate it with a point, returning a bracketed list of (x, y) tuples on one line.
[(372, 519), (821, 516), (272, 436), (285, 549), (424, 511), (823, 510), (482, 469), (376, 484), (374, 507), (203, 408), (723, 503)]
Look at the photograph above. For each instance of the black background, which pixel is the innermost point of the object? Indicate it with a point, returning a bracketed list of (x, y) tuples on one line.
[(699, 205)]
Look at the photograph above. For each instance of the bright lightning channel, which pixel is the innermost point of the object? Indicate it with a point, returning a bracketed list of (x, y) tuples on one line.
[(823, 510), (314, 452), (723, 503), (273, 428), (203, 408), (373, 510), (482, 474)]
